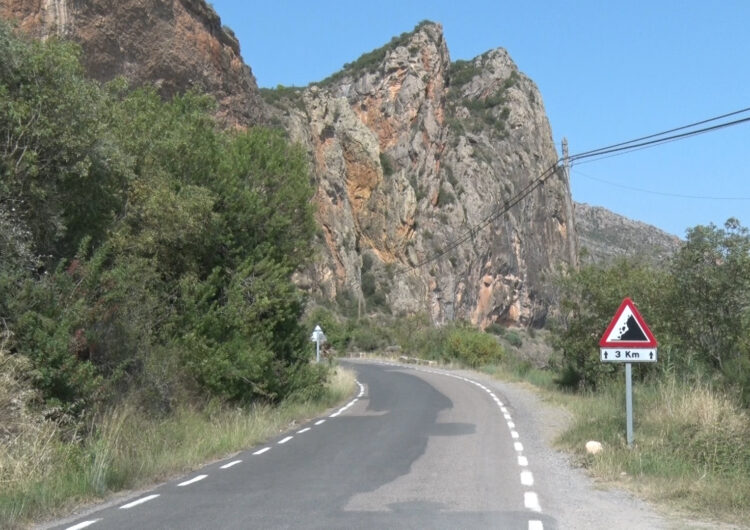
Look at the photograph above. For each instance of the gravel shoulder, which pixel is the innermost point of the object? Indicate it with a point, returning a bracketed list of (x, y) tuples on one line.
[(567, 493)]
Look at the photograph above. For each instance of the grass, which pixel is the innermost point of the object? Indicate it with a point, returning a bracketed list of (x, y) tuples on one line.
[(41, 477), (691, 451)]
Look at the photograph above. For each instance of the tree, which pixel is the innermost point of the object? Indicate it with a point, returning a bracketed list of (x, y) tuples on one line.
[(60, 172), (589, 298), (711, 300)]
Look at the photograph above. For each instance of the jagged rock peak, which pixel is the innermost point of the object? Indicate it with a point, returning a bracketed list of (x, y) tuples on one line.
[(395, 55), (410, 152)]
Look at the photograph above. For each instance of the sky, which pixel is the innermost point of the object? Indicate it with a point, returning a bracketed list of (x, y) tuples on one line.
[(608, 72)]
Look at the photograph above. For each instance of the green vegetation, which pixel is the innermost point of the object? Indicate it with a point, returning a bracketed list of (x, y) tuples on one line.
[(690, 449), (145, 273), (698, 307), (369, 62), (284, 96), (387, 164), (486, 113), (461, 72)]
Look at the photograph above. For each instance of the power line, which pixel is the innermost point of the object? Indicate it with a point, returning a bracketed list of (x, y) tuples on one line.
[(681, 128), (662, 193), (659, 141)]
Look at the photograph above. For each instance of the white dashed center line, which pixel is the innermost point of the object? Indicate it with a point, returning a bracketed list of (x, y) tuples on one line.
[(230, 464), (261, 451), (192, 481), (84, 524), (531, 501), (139, 501), (285, 440), (303, 431)]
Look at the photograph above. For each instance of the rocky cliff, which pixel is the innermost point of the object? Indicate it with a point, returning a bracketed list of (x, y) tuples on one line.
[(415, 158), (174, 44), (412, 153), (604, 236)]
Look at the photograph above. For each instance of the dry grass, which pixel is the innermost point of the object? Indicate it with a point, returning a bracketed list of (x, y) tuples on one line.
[(691, 450), (42, 476)]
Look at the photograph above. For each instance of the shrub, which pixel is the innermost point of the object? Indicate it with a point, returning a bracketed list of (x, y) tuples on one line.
[(495, 329), (473, 347), (514, 339)]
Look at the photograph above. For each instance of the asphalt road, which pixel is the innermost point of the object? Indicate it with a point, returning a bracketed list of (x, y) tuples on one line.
[(416, 449)]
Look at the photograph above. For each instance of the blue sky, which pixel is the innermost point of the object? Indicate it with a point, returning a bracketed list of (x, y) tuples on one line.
[(608, 72)]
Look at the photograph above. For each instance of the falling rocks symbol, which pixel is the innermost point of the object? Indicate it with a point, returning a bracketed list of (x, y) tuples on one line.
[(633, 331)]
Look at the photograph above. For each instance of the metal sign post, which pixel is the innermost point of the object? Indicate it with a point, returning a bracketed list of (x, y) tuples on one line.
[(629, 402), (628, 340)]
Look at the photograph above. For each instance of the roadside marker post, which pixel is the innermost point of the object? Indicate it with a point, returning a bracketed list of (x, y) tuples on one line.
[(628, 340), (317, 337)]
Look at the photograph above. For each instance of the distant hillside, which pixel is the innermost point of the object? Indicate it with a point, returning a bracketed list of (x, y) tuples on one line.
[(604, 235)]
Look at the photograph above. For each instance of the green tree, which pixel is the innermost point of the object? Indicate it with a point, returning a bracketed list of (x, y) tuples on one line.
[(143, 249), (710, 306), (61, 174), (589, 298)]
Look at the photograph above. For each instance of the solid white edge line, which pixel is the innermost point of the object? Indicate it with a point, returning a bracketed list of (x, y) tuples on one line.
[(191, 481), (261, 451), (531, 501), (535, 525), (303, 431), (84, 524), (527, 479), (230, 464), (285, 440), (139, 501)]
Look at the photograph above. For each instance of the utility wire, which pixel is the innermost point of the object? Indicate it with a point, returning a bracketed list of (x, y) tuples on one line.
[(662, 193), (681, 128), (658, 141)]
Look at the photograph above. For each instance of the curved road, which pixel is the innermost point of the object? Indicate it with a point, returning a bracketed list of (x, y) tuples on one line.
[(417, 448)]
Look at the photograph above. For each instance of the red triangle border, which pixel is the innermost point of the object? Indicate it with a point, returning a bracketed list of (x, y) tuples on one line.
[(650, 343)]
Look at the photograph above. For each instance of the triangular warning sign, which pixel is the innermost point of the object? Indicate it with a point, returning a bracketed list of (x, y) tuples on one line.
[(627, 329)]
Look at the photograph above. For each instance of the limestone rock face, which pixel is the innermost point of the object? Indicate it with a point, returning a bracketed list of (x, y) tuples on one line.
[(416, 160), (175, 44), (604, 236)]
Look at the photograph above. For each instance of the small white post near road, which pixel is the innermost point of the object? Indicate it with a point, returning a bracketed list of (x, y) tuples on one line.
[(628, 340), (317, 337)]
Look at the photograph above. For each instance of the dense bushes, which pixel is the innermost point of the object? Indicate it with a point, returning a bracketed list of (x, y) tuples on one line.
[(697, 305), (144, 252)]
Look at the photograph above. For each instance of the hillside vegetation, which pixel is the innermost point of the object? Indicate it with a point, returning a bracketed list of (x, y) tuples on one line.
[(145, 267)]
